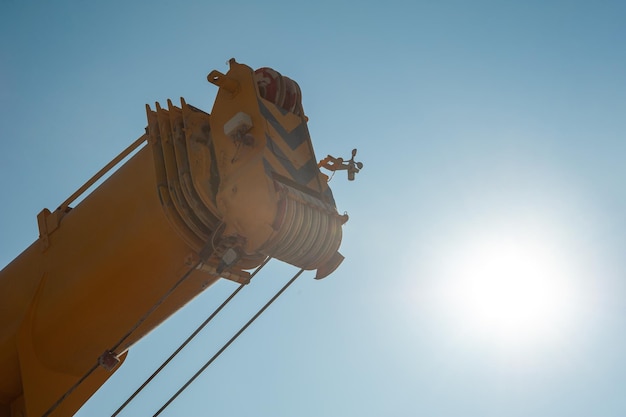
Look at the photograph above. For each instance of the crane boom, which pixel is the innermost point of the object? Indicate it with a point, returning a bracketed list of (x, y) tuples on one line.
[(207, 196)]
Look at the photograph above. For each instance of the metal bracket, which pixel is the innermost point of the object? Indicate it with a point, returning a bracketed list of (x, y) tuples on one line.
[(48, 222), (108, 360), (337, 164)]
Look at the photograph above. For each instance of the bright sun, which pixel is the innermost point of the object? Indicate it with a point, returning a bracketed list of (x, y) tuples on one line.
[(513, 292)]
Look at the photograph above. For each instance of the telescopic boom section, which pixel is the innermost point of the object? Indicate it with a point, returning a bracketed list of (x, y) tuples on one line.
[(210, 196)]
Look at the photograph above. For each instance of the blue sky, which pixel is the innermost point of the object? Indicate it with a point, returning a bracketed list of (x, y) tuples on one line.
[(490, 130)]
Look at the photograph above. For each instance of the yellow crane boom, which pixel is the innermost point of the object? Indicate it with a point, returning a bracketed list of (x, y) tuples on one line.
[(206, 196)]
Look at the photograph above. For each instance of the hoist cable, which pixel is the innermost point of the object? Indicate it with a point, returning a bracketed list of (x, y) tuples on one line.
[(191, 336), (119, 343), (227, 344), (70, 390), (156, 305), (203, 255)]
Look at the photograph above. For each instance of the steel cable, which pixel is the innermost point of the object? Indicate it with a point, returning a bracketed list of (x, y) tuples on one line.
[(204, 254), (192, 336), (227, 344)]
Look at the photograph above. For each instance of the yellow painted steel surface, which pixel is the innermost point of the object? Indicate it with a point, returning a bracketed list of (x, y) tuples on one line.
[(243, 179), (111, 258)]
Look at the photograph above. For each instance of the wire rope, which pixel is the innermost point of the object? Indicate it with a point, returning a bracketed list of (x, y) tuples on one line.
[(191, 336), (203, 255), (227, 344)]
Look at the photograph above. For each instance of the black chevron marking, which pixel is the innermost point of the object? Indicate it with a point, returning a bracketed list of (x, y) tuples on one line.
[(302, 175), (294, 138)]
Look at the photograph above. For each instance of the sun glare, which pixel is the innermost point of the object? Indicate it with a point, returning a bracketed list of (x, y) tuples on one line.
[(511, 292)]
